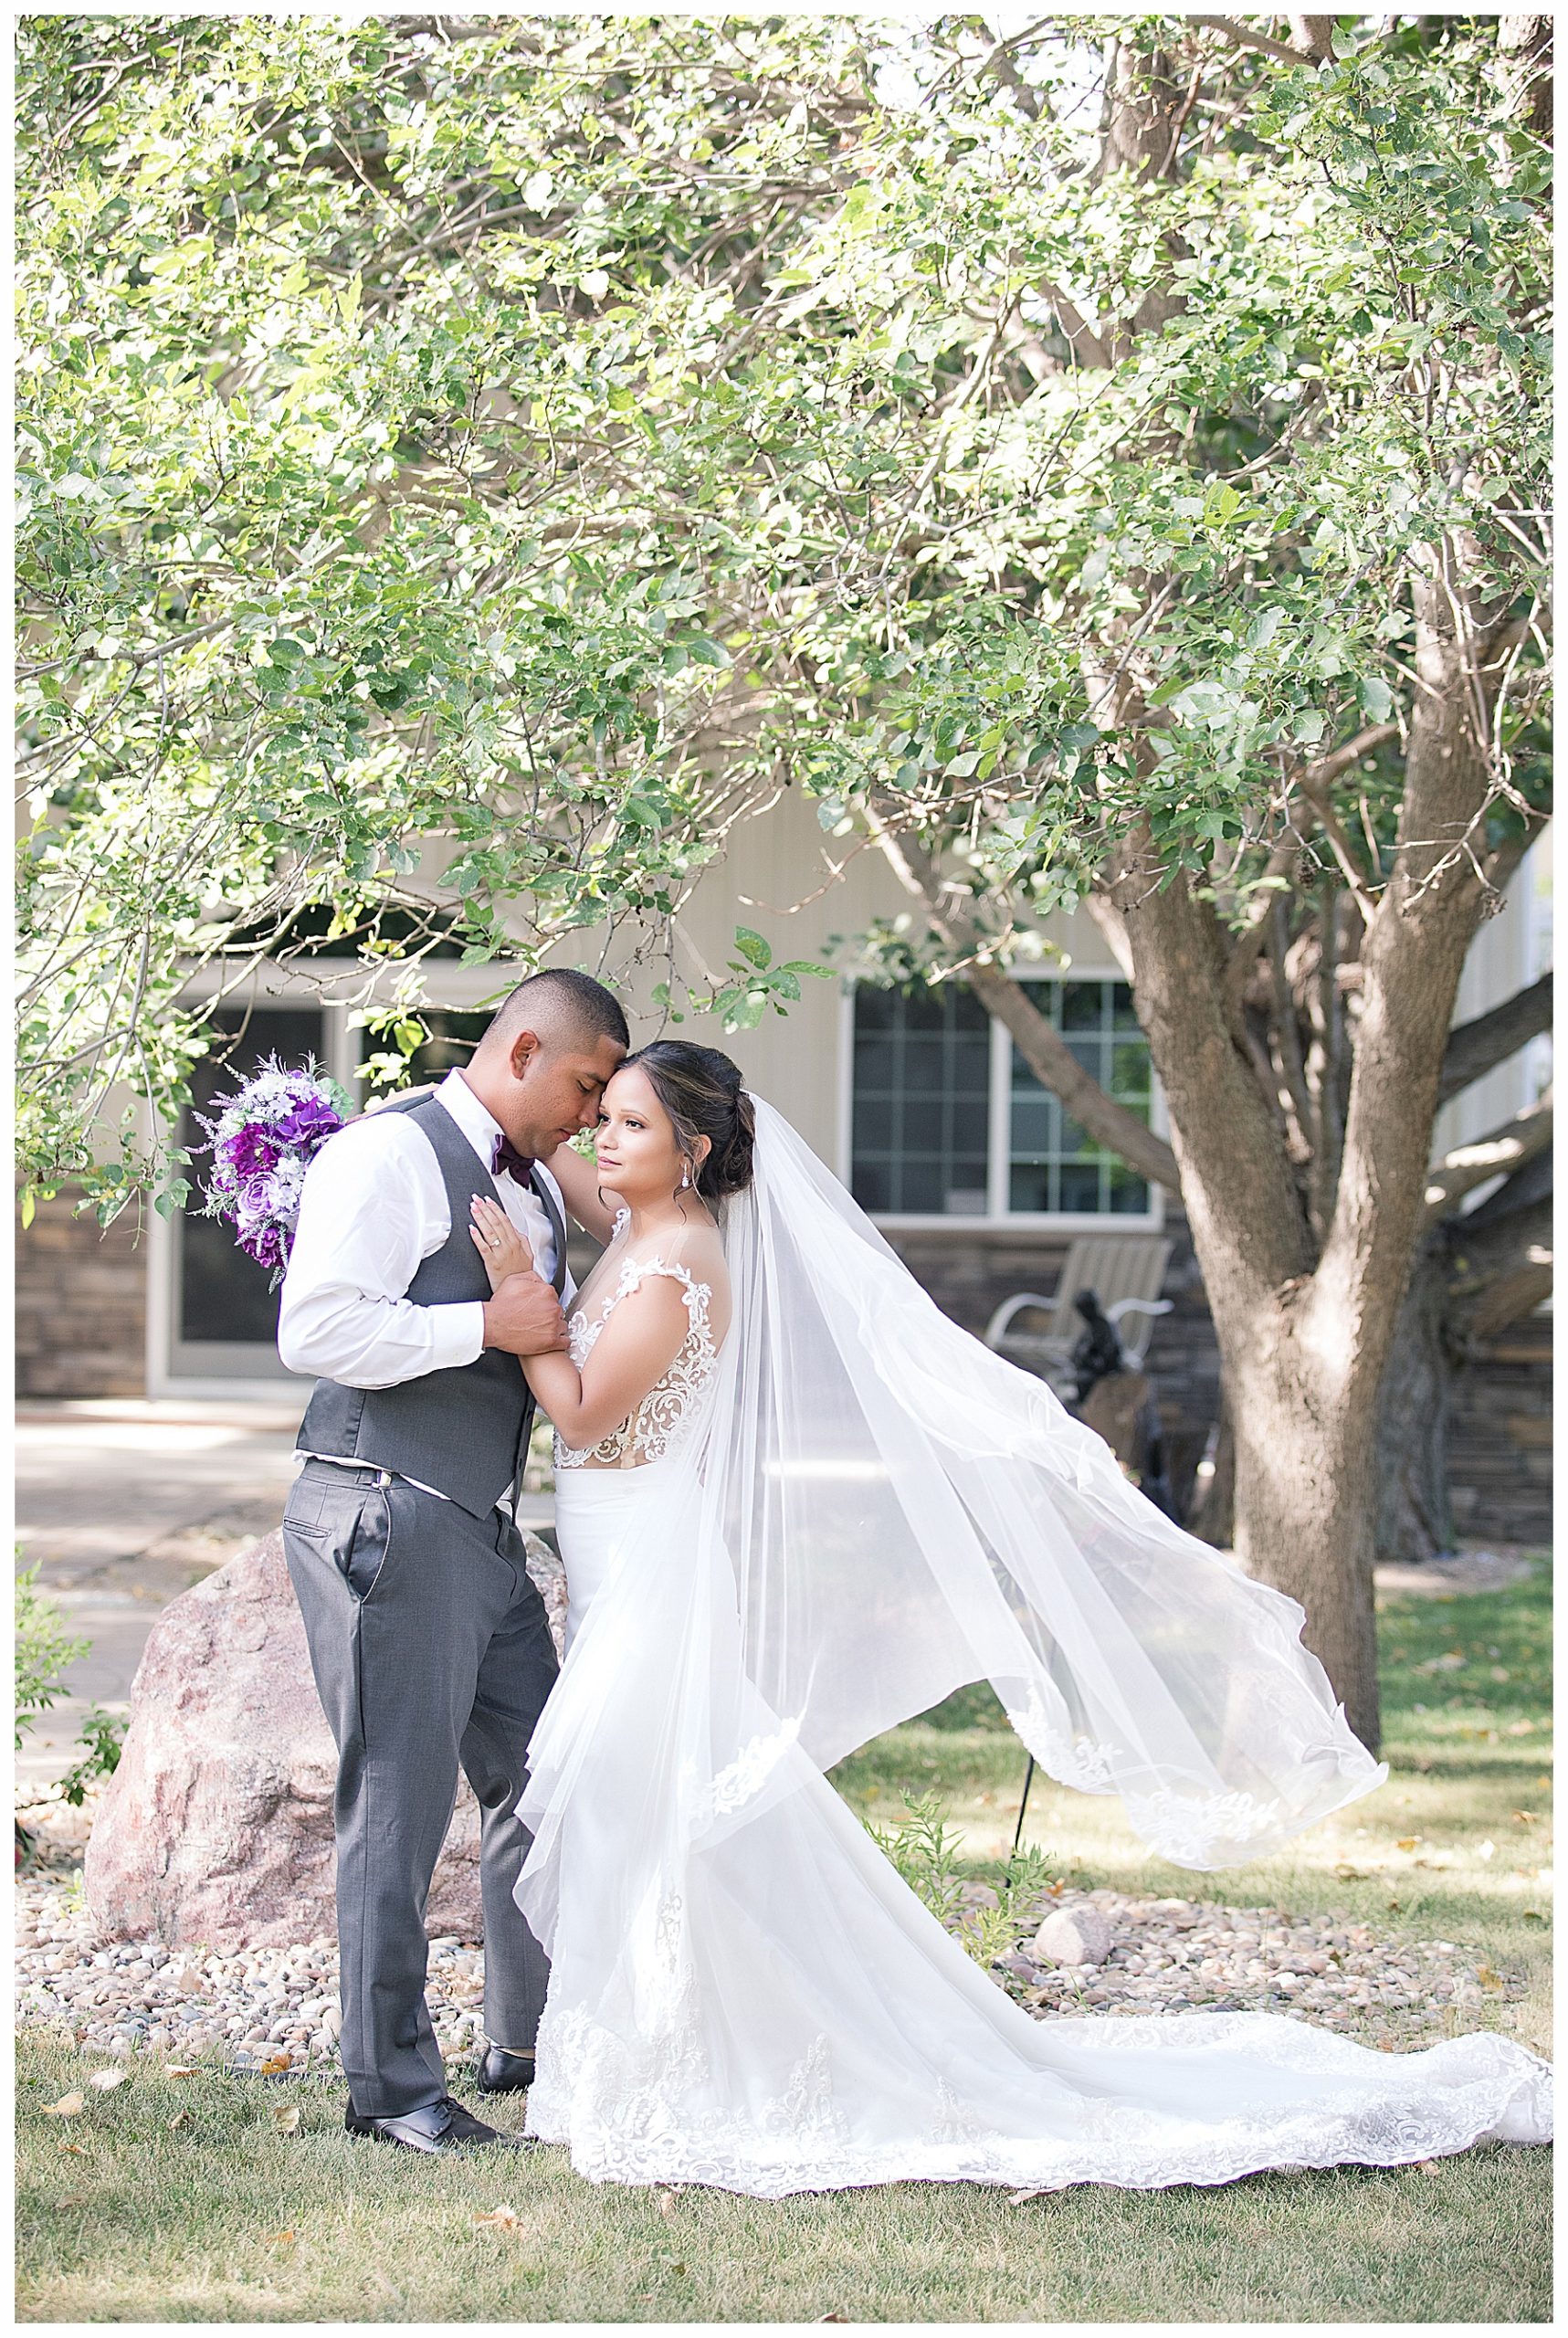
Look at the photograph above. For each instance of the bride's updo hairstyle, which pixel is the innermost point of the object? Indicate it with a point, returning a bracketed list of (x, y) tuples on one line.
[(700, 1090)]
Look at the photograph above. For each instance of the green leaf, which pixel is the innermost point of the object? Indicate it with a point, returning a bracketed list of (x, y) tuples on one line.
[(753, 947)]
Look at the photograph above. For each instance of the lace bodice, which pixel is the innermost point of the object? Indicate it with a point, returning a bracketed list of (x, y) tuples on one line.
[(655, 1429)]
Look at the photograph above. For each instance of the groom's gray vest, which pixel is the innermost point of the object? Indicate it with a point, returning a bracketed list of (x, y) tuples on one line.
[(463, 1430)]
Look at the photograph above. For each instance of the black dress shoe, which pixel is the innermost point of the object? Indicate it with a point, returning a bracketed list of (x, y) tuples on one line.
[(443, 2126), (500, 2072)]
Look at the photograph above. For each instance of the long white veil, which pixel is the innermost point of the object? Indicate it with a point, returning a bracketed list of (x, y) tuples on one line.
[(905, 1511)]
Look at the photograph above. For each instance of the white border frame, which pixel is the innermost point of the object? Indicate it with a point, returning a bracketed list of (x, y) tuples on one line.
[(998, 1219)]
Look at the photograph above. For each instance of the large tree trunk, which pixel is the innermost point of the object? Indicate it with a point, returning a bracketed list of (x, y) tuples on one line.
[(1306, 1434), (1415, 1515)]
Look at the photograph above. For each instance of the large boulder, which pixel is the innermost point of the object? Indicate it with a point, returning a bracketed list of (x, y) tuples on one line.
[(217, 1828)]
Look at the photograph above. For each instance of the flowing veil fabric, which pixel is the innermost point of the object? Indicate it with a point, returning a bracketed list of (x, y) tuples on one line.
[(907, 1511), (862, 1510)]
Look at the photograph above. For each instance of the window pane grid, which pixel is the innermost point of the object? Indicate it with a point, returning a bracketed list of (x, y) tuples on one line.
[(921, 1080), (1054, 1166), (921, 1143)]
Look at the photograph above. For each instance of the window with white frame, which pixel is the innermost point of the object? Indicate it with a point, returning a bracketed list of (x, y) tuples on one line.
[(948, 1121)]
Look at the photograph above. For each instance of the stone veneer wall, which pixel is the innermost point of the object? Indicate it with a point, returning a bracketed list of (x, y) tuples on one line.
[(1499, 1437), (81, 1305)]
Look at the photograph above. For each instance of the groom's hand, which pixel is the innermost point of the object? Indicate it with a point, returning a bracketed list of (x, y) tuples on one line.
[(523, 1316)]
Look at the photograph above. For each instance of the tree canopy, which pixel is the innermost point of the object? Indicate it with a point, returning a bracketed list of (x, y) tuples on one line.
[(547, 438)]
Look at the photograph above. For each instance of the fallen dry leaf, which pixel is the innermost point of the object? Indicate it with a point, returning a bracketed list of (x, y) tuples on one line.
[(502, 2220), (1488, 1979), (106, 2080), (285, 2235), (80, 2148), (72, 2200), (1524, 1818), (1407, 1842), (1426, 2165), (178, 2120), (666, 2203), (66, 2107), (180, 2069), (833, 2317), (286, 2120), (275, 2062)]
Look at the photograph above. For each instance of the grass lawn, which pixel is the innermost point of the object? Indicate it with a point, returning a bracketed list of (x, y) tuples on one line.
[(229, 2217)]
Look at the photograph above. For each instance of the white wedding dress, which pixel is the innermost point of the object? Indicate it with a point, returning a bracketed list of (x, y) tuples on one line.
[(743, 1993)]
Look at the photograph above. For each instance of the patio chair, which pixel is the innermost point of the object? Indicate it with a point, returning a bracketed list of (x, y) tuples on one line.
[(1124, 1269)]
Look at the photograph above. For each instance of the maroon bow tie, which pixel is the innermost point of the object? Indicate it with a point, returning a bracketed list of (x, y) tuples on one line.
[(509, 1163)]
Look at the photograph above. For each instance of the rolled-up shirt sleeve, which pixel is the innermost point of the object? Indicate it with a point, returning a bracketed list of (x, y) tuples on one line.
[(367, 1219)]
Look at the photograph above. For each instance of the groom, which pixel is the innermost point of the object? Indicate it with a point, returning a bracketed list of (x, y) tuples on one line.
[(428, 1642)]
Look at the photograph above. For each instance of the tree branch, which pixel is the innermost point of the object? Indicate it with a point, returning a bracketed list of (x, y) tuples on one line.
[(1500, 1272), (1506, 1147), (1314, 782), (1113, 929), (1244, 37), (1477, 1048)]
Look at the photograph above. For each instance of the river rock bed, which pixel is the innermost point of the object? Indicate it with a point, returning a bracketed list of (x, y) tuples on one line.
[(275, 2010), (1176, 1955)]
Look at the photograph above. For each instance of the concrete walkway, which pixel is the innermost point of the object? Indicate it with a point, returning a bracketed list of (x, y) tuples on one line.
[(123, 1505)]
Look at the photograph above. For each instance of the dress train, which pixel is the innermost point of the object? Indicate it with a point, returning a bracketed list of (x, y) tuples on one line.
[(744, 1993)]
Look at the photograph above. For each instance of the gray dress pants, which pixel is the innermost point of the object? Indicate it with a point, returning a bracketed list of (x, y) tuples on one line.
[(430, 1647)]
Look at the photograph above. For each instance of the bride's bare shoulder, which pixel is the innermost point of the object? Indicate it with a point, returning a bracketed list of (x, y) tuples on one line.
[(701, 1251)]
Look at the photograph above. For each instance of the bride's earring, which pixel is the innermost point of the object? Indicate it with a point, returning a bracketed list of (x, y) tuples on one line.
[(684, 1179)]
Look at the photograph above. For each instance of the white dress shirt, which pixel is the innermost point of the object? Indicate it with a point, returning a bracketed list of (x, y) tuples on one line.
[(374, 1207)]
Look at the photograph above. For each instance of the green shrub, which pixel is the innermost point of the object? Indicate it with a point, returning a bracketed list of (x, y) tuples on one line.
[(102, 1740), (44, 1649), (925, 1851)]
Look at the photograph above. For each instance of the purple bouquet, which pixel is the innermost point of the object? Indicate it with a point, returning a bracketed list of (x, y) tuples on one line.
[(264, 1138)]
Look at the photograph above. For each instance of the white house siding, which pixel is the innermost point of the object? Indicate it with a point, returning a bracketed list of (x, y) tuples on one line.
[(1511, 950)]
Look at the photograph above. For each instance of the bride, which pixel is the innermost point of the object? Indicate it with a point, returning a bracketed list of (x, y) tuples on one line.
[(796, 1506)]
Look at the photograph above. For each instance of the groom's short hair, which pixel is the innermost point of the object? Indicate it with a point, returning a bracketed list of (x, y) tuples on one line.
[(571, 1004)]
